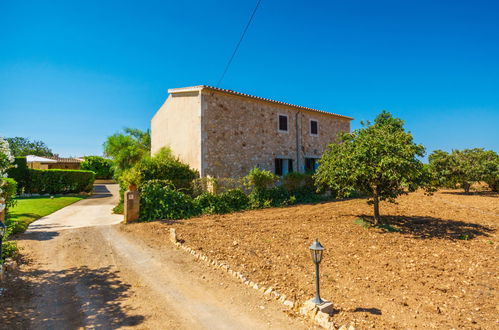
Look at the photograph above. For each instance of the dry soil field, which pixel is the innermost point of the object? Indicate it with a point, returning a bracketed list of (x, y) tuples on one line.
[(438, 270)]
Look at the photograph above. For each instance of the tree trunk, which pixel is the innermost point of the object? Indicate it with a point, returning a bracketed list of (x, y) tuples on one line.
[(466, 186), (377, 218)]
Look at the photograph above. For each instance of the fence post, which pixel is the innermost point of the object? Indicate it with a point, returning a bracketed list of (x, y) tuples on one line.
[(131, 204)]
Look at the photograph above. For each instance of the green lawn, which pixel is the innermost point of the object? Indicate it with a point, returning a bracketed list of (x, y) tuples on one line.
[(29, 209)]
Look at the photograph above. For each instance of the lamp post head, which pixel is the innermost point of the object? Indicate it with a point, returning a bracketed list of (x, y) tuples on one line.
[(316, 251)]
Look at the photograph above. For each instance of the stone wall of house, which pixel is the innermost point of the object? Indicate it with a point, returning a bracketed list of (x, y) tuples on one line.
[(177, 125), (239, 133)]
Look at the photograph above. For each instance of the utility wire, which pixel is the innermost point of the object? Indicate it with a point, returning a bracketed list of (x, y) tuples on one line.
[(239, 43)]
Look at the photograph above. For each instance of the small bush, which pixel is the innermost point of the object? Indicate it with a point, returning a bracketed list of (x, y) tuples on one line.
[(230, 201), (101, 166), (9, 250), (300, 185), (59, 181), (271, 197), (16, 227), (159, 200), (8, 188), (261, 179), (162, 166), (235, 199)]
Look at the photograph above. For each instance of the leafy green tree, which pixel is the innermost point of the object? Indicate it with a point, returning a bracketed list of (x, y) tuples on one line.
[(491, 175), (21, 146), (465, 167), (100, 165), (379, 160), (126, 149)]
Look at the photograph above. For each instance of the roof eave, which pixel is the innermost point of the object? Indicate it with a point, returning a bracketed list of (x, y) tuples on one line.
[(199, 88)]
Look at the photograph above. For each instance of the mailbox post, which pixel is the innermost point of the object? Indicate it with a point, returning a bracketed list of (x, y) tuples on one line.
[(131, 204)]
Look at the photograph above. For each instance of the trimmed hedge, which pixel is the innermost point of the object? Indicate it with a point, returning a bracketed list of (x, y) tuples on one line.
[(19, 173), (100, 165), (59, 181)]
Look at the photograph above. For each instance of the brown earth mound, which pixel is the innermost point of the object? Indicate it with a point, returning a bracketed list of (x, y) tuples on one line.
[(434, 265)]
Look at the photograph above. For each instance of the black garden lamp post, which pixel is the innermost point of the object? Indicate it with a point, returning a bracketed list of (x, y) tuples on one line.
[(316, 251)]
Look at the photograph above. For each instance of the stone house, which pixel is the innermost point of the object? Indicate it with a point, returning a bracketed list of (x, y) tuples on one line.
[(223, 133)]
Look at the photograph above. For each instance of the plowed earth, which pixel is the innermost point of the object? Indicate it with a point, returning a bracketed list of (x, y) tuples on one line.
[(435, 266)]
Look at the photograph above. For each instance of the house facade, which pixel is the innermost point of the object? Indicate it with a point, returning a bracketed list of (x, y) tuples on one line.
[(222, 133)]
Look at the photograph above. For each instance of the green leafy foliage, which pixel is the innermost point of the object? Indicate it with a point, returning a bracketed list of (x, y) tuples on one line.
[(21, 146), (126, 149), (59, 181), (261, 179), (299, 184), (20, 173), (232, 200), (8, 191), (465, 167), (270, 197), (159, 200), (162, 166), (102, 167), (9, 249), (379, 160)]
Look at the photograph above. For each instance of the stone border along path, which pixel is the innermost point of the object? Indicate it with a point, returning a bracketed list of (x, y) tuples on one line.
[(308, 309)]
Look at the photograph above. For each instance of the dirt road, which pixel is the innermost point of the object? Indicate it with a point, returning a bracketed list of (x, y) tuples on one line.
[(87, 271)]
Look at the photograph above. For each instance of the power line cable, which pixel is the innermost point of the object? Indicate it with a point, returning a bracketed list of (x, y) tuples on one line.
[(239, 43)]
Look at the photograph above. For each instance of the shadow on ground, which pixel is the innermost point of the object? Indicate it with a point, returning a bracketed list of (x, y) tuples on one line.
[(73, 298), (486, 193), (430, 227), (373, 311), (39, 235)]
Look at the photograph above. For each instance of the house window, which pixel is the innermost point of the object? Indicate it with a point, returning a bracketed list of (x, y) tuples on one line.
[(311, 165), (283, 123), (283, 166), (314, 127)]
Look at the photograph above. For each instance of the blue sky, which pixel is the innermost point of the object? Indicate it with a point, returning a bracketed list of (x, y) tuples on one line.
[(74, 72)]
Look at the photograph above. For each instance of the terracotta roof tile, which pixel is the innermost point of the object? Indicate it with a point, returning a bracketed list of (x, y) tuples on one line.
[(228, 91)]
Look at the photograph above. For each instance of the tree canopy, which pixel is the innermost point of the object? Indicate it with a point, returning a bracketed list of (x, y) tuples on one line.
[(100, 165), (127, 148), (21, 147), (379, 160), (465, 167)]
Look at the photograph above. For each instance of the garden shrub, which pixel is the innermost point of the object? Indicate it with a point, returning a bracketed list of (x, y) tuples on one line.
[(162, 166), (59, 181), (271, 197), (102, 167), (9, 250), (261, 179), (16, 226), (20, 173), (8, 191), (232, 200), (159, 200), (218, 185), (299, 184)]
